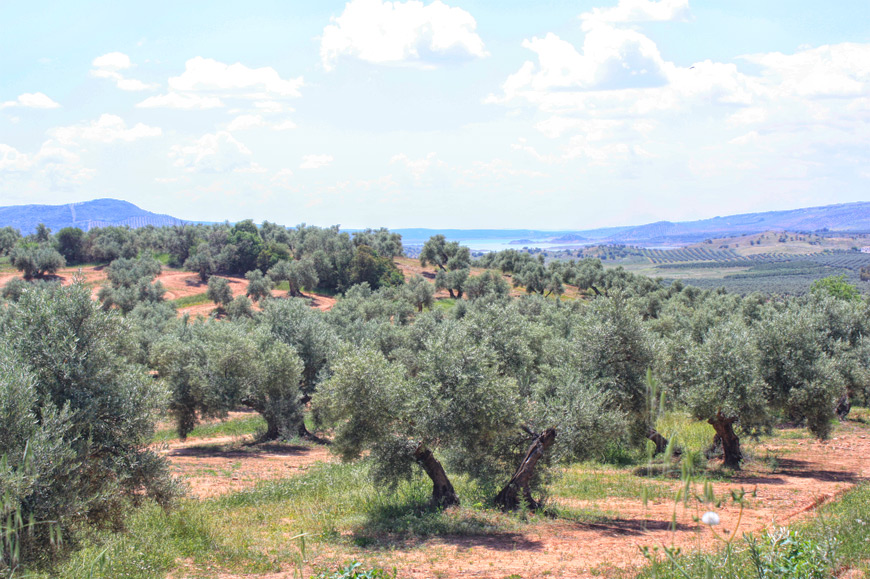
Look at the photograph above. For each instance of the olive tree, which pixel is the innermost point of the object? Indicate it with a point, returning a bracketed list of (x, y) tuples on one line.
[(452, 260), (131, 281), (298, 274), (36, 260), (489, 283), (259, 286), (455, 408), (211, 367), (718, 380), (219, 291), (420, 292), (304, 329), (803, 378), (101, 407)]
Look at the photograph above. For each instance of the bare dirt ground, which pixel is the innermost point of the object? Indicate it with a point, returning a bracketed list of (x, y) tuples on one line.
[(226, 464), (791, 476), (223, 464), (790, 479), (178, 284)]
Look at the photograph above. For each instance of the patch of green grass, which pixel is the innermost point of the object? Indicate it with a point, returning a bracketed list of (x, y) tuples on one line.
[(445, 304), (191, 300), (590, 482), (688, 434), (340, 503), (859, 414), (155, 541), (235, 427)]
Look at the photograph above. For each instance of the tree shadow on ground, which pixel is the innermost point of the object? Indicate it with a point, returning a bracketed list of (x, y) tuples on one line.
[(245, 451), (619, 527), (803, 469), (496, 541), (414, 522)]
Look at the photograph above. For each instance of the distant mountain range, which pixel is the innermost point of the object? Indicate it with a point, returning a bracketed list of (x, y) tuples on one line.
[(850, 217), (845, 217), (85, 215)]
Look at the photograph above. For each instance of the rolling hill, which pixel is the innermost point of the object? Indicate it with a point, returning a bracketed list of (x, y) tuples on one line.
[(86, 215)]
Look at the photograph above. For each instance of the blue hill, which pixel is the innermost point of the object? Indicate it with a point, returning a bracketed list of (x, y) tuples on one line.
[(86, 215)]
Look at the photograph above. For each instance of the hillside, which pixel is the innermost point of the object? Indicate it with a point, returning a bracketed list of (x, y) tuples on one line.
[(851, 217), (86, 215)]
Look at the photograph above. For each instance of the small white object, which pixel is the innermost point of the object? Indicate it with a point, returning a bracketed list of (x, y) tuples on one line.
[(710, 518)]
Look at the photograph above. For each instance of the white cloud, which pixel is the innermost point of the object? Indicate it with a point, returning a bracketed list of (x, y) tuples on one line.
[(208, 75), (112, 61), (428, 171), (243, 122), (181, 101), (35, 100), (269, 106), (639, 11), (498, 169), (282, 177), (284, 126), (841, 70), (213, 153), (13, 160), (131, 84), (107, 129), (207, 83), (315, 161), (611, 59), (109, 65), (401, 33), (418, 167), (614, 106), (746, 139), (60, 167)]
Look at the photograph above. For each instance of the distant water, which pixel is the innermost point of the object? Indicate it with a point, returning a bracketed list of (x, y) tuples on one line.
[(494, 243), (500, 244)]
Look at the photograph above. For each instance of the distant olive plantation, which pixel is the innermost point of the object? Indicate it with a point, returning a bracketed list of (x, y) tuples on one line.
[(495, 372)]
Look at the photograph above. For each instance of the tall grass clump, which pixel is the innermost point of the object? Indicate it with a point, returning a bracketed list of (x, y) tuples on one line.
[(827, 545)]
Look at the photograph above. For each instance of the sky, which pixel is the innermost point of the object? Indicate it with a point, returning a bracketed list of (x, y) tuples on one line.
[(456, 113)]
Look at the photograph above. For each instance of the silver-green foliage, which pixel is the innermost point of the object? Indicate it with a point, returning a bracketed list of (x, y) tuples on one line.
[(86, 411)]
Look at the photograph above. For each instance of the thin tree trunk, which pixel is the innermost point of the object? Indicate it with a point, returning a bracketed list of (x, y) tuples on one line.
[(724, 427), (508, 499), (450, 290), (443, 494)]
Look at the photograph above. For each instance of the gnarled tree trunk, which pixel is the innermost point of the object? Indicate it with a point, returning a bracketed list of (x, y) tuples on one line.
[(660, 441), (724, 428), (443, 494), (508, 499), (844, 406)]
